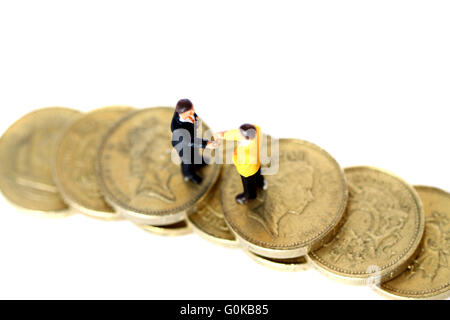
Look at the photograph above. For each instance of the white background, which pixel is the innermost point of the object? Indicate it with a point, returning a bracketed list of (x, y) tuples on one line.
[(366, 80)]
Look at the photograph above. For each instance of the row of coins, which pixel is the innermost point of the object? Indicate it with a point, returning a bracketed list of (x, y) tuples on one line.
[(360, 224)]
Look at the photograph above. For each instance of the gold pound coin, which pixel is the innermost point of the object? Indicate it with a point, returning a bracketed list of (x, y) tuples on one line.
[(177, 229), (302, 205), (208, 221), (76, 153), (289, 265), (137, 175), (26, 151), (381, 231), (428, 277)]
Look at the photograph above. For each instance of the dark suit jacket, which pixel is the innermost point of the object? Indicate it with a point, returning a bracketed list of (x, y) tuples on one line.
[(193, 142)]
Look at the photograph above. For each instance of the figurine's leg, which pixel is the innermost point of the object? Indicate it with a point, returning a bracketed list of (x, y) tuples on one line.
[(249, 184), (201, 161), (188, 169), (260, 181), (189, 174)]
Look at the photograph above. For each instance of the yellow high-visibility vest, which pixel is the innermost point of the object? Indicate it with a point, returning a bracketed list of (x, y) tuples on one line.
[(246, 155)]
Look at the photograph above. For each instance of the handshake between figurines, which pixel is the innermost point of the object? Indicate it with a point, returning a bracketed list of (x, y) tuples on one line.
[(246, 155)]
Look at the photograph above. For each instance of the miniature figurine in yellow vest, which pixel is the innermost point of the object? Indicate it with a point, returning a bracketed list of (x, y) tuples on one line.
[(246, 159)]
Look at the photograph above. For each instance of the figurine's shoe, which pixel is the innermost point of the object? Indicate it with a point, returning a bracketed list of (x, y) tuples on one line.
[(264, 187), (194, 179), (241, 198)]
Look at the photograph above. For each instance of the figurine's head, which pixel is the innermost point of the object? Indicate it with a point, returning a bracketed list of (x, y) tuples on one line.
[(248, 131), (185, 109)]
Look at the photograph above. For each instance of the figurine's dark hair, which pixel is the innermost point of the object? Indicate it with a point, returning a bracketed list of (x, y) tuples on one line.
[(184, 105), (248, 131)]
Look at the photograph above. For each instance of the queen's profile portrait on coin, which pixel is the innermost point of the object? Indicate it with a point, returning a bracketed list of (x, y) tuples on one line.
[(150, 154), (269, 209), (304, 202)]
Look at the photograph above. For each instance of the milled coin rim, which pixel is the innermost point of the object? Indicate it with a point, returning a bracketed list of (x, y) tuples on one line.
[(164, 231), (227, 243), (93, 213), (279, 266), (298, 248), (154, 217), (101, 215), (52, 214), (63, 211), (442, 292), (391, 270)]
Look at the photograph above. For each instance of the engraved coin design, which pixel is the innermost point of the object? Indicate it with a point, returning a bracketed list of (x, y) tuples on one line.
[(303, 204), (177, 229), (137, 175), (208, 220), (381, 232), (76, 153), (428, 277), (26, 150)]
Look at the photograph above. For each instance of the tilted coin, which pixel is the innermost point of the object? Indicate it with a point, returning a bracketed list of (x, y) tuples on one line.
[(26, 151), (289, 265), (176, 229), (428, 277), (74, 166), (208, 221), (381, 232), (304, 202), (137, 175)]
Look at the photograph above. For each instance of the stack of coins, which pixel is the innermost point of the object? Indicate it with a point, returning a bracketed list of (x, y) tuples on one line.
[(361, 225)]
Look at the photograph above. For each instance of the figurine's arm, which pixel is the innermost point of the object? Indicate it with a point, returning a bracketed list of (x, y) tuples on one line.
[(202, 144), (230, 135)]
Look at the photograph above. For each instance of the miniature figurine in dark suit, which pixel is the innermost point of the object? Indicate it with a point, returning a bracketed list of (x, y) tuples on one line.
[(184, 139)]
